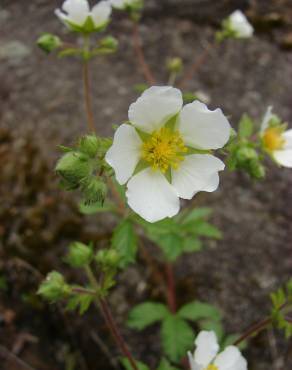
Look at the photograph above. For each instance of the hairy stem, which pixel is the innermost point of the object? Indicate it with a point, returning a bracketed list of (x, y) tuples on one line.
[(86, 87), (196, 65), (171, 294), (257, 327), (137, 44), (102, 304)]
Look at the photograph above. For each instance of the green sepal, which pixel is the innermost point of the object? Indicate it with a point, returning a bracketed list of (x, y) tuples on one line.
[(49, 42)]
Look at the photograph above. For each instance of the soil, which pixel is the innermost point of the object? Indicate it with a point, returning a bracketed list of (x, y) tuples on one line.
[(42, 107)]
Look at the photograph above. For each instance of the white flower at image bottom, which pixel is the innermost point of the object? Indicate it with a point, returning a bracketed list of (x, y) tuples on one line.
[(164, 154), (206, 355), (77, 13), (276, 141), (240, 25)]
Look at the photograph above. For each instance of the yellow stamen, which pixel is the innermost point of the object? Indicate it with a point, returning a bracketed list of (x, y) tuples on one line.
[(273, 139), (212, 367), (164, 149)]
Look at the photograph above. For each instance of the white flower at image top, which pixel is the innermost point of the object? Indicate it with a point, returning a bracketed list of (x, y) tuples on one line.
[(239, 24), (276, 141), (163, 154), (206, 355), (78, 13)]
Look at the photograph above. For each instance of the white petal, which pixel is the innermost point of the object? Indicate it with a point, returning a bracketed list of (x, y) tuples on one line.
[(207, 347), (62, 16), (101, 12), (230, 359), (287, 135), (283, 157), (193, 364), (151, 196), (198, 172), (267, 117), (78, 11), (155, 107), (240, 24), (125, 152), (202, 128)]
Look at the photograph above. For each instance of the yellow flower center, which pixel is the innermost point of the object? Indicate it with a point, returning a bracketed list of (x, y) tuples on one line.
[(273, 139), (164, 149), (212, 367)]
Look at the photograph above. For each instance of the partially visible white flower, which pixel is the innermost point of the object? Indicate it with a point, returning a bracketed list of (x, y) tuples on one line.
[(164, 154), (276, 141), (239, 24), (123, 4), (206, 355), (76, 14)]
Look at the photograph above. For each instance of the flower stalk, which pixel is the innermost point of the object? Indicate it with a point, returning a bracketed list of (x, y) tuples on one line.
[(102, 304), (86, 86), (171, 293), (140, 56)]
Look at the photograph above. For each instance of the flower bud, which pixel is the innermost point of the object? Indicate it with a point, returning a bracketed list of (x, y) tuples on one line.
[(109, 42), (107, 258), (54, 287), (245, 154), (89, 145), (73, 167), (79, 254), (174, 65), (94, 190), (49, 42)]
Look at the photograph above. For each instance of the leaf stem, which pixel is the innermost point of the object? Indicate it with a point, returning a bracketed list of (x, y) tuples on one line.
[(137, 44)]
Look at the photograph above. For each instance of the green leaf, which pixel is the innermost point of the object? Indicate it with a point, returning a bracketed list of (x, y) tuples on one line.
[(126, 363), (196, 214), (171, 245), (213, 325), (90, 209), (192, 244), (81, 300), (165, 365), (140, 88), (70, 52), (199, 310), (203, 228), (146, 314), (177, 337), (124, 241), (245, 126)]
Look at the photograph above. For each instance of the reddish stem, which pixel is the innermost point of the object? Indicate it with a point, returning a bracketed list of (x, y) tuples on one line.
[(115, 332), (259, 326), (171, 295), (196, 65), (87, 96), (137, 44)]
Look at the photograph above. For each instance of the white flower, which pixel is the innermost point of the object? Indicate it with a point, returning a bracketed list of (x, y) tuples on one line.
[(123, 4), (206, 355), (239, 24), (276, 141), (155, 153), (77, 13)]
